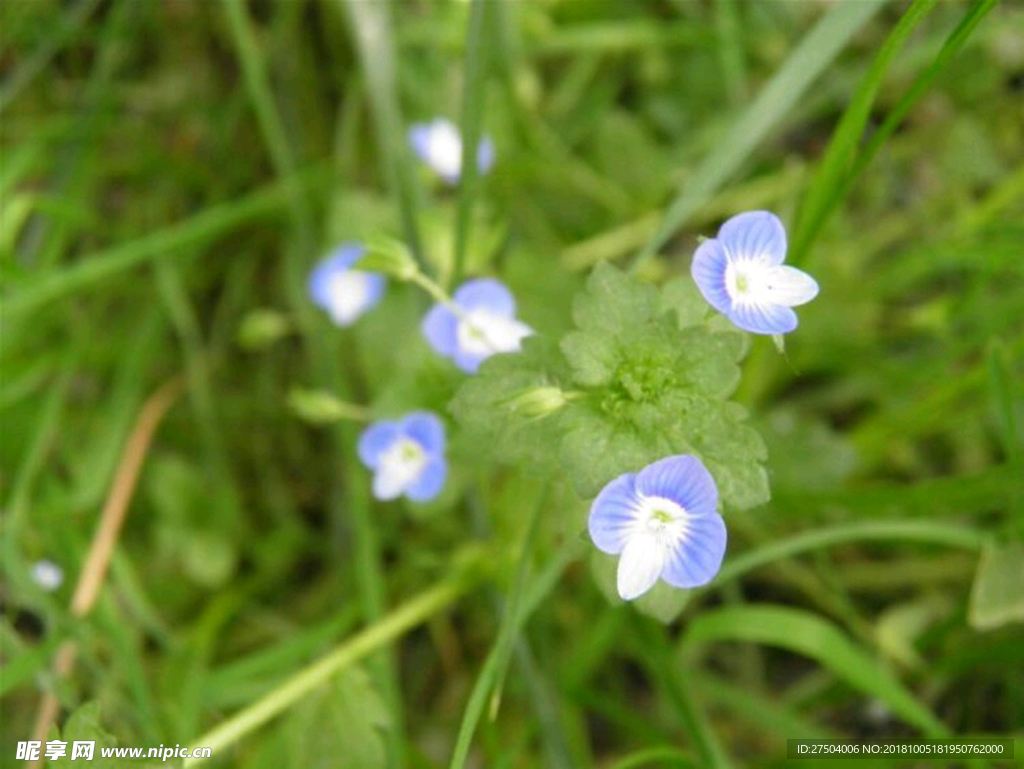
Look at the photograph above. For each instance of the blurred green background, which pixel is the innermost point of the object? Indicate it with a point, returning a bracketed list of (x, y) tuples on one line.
[(171, 171)]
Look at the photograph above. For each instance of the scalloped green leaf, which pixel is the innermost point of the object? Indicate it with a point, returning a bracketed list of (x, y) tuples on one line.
[(494, 408), (342, 721)]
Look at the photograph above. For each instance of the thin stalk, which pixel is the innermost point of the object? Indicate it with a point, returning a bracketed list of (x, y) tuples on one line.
[(377, 636)]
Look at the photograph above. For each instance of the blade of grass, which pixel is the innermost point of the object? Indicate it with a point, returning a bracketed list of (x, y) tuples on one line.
[(376, 636), (842, 149), (811, 57), (171, 243), (808, 634), (262, 98), (906, 531), (473, 99), (498, 658), (659, 664), (371, 23), (730, 49), (840, 187), (48, 48)]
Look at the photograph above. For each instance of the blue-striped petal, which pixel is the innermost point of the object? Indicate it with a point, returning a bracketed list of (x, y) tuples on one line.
[(697, 555), (763, 318), (754, 234), (613, 514), (682, 479), (708, 271)]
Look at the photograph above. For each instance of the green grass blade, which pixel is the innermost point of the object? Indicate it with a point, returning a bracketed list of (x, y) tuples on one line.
[(378, 635), (497, 660), (810, 58), (836, 187), (807, 634), (842, 150), (912, 531), (48, 48), (92, 270), (371, 23), (472, 120)]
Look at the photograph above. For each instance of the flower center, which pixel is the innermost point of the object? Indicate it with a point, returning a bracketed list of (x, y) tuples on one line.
[(401, 464), (481, 333), (665, 519), (748, 280), (349, 292), (446, 150)]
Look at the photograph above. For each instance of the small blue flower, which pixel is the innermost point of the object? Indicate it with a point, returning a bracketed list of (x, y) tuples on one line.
[(439, 145), (741, 274), (406, 456), (343, 292), (483, 323), (663, 522)]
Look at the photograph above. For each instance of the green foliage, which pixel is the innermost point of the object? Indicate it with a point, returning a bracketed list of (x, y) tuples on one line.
[(341, 723), (997, 596), (85, 724), (172, 171), (810, 635), (647, 379)]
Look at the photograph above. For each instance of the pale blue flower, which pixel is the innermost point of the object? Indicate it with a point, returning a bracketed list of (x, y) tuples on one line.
[(439, 145), (406, 456), (343, 292), (481, 324), (741, 274), (663, 523), (48, 575)]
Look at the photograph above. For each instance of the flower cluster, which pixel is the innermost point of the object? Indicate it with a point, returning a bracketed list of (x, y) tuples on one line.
[(662, 520), (407, 455)]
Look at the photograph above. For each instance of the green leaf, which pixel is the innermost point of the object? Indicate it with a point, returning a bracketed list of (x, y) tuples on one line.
[(494, 409), (681, 296), (321, 407), (655, 383), (342, 723), (997, 596), (83, 725), (807, 634)]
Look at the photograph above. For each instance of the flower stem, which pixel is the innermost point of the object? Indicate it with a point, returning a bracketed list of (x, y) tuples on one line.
[(406, 616)]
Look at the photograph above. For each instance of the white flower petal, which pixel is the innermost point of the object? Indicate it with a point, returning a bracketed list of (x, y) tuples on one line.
[(445, 149), (482, 333), (790, 286), (640, 564), (350, 293), (399, 466)]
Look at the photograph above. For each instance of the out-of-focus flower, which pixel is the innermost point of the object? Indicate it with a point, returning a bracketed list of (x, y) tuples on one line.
[(439, 145), (663, 523), (741, 274), (406, 456), (343, 292), (481, 324), (48, 575)]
